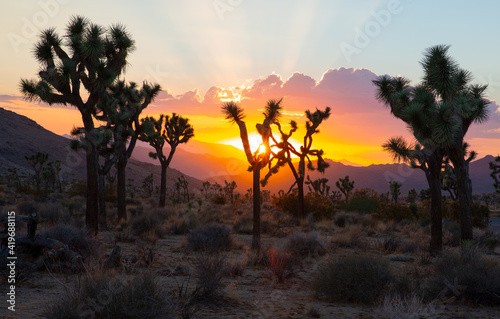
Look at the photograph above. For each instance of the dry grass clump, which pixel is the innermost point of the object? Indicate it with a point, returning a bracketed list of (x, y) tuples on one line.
[(306, 244), (78, 240), (281, 264), (353, 278), (103, 296), (212, 237), (351, 236), (466, 274), (398, 307)]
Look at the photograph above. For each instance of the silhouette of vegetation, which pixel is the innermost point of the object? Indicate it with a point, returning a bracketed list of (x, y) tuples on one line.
[(438, 112), (257, 160), (90, 58), (174, 130), (345, 186), (286, 149)]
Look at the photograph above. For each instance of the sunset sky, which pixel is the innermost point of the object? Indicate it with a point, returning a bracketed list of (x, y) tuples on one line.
[(314, 53)]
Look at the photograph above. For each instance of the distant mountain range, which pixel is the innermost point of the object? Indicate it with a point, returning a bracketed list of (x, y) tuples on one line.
[(200, 161), (21, 136)]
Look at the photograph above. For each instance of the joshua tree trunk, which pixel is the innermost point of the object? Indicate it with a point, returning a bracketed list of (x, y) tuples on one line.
[(121, 194), (102, 201), (433, 179), (163, 184), (457, 158), (302, 211), (256, 207), (92, 211)]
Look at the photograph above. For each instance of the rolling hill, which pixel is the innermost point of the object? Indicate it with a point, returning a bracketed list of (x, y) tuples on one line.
[(21, 136)]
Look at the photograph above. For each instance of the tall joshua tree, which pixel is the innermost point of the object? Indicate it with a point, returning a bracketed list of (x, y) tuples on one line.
[(286, 149), (257, 161), (174, 130), (120, 109), (88, 57), (439, 111), (429, 159)]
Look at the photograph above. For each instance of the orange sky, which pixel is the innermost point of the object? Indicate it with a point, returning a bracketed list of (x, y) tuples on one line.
[(355, 131)]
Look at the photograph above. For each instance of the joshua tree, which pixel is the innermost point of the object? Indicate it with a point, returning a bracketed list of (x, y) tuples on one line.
[(51, 174), (119, 108), (345, 186), (257, 160), (449, 179), (439, 111), (174, 130), (495, 173), (318, 186), (88, 57), (229, 189), (286, 149), (37, 162), (206, 187), (395, 188), (148, 186), (412, 196)]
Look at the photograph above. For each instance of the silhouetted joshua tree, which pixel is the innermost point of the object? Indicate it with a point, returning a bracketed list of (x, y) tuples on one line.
[(37, 162), (495, 173), (286, 149), (257, 160), (77, 69), (439, 111), (345, 186), (174, 130)]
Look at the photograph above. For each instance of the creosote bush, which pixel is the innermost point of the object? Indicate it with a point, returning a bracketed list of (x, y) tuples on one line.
[(353, 278), (213, 237)]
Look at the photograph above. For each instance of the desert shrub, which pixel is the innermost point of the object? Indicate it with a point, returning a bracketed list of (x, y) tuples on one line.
[(350, 237), (395, 211), (219, 199), (316, 204), (244, 225), (341, 220), (390, 244), (182, 225), (211, 237), (451, 234), (364, 201), (78, 188), (480, 215), (109, 297), (397, 307), (320, 206), (26, 208), (52, 213), (353, 278), (210, 270), (78, 240), (146, 224), (306, 244), (467, 274), (281, 264)]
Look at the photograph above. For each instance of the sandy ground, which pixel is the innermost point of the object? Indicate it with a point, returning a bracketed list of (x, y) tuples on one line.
[(252, 295)]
